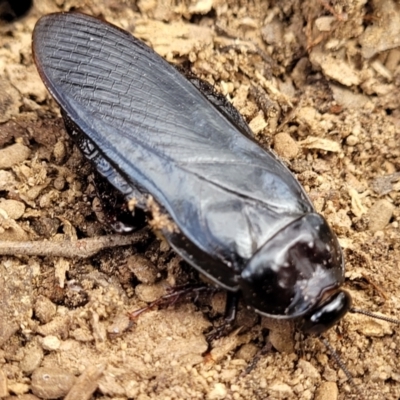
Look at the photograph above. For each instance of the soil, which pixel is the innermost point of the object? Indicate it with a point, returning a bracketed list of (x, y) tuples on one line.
[(318, 81)]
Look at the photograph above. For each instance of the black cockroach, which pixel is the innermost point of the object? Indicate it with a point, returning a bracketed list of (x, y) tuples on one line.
[(175, 149)]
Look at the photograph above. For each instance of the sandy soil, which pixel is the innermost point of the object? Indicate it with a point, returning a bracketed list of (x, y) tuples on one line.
[(318, 82)]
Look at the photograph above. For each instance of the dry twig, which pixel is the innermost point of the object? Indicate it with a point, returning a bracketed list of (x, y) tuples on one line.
[(83, 248)]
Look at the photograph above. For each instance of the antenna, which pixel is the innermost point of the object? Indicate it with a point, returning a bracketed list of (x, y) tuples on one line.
[(335, 355), (373, 315), (341, 365)]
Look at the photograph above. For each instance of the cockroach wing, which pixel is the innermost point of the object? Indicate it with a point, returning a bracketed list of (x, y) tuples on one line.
[(158, 133)]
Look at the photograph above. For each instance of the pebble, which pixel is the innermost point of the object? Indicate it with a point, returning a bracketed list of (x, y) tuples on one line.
[(272, 33), (327, 391), (352, 140), (14, 154), (59, 151), (258, 123), (143, 269), (32, 359), (51, 383), (51, 343), (379, 215), (86, 384), (308, 369), (324, 24), (218, 302), (285, 146), (7, 180), (44, 309), (59, 183), (247, 352), (218, 392), (18, 388), (149, 293), (81, 335), (10, 230), (336, 69), (14, 209), (58, 326)]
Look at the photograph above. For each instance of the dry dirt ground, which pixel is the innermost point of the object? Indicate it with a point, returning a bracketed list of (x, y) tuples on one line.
[(318, 81)]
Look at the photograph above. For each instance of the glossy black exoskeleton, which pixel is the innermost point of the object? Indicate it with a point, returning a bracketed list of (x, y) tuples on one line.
[(235, 212)]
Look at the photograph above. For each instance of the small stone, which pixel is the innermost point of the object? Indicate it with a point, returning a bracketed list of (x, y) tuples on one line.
[(51, 383), (14, 209), (273, 32), (300, 72), (379, 215), (82, 335), (218, 392), (352, 140), (247, 352), (44, 309), (7, 180), (285, 146), (258, 123), (59, 183), (327, 391), (58, 326), (201, 7), (32, 359), (86, 384), (34, 192), (51, 343), (14, 154), (59, 151), (308, 369), (324, 24), (392, 59), (149, 293), (218, 302), (335, 68), (309, 116), (143, 269), (10, 230), (18, 388)]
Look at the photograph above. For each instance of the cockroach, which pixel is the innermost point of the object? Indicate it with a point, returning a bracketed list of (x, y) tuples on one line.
[(181, 152)]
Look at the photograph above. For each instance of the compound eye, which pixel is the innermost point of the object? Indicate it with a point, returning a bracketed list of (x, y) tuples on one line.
[(328, 314)]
